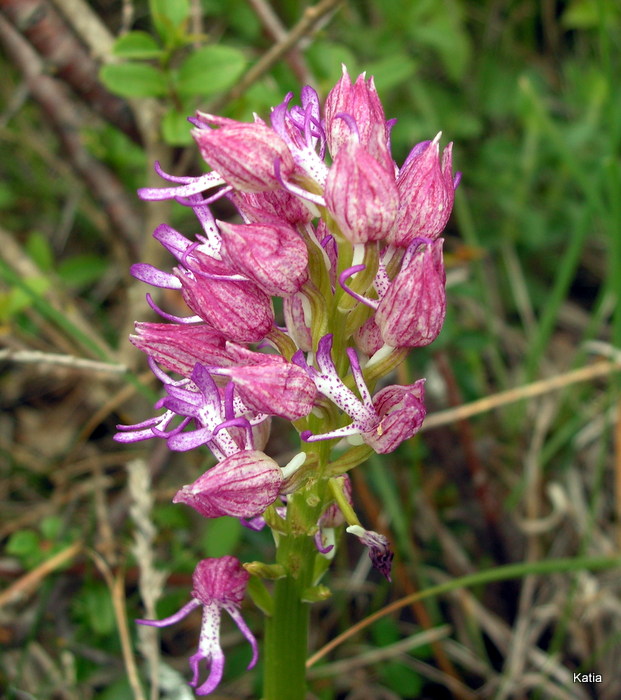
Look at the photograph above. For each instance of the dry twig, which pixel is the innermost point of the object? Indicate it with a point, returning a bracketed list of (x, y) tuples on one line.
[(584, 374), (62, 115), (32, 579), (311, 17)]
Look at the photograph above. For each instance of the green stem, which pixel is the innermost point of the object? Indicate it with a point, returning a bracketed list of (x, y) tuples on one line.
[(286, 630), (286, 635)]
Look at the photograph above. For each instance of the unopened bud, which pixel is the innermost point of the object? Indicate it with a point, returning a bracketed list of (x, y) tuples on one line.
[(244, 154), (273, 256), (411, 313), (426, 193), (242, 486)]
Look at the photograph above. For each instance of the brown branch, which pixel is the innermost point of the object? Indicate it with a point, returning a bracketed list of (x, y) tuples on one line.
[(61, 113), (67, 59), (278, 32), (116, 586), (90, 28), (25, 585), (529, 391), (69, 362), (311, 17), (14, 257)]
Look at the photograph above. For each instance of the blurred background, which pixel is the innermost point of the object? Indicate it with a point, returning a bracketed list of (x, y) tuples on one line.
[(91, 94)]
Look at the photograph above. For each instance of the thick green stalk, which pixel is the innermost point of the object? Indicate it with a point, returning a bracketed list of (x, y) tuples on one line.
[(286, 644), (286, 630)]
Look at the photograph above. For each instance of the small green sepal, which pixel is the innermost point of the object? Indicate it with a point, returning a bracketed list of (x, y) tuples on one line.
[(259, 594), (314, 594), (271, 572)]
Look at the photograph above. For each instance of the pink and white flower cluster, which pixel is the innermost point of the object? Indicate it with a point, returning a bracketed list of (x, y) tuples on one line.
[(351, 244)]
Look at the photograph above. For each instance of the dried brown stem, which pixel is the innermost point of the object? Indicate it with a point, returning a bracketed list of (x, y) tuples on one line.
[(278, 32), (61, 113), (32, 579), (311, 17), (55, 360), (116, 586), (529, 391), (61, 51)]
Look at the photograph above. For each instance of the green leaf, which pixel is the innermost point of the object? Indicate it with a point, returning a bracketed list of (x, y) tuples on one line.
[(176, 11), (445, 34), (260, 596), (136, 45), (134, 80), (95, 607), (19, 298), (210, 70), (404, 681), (590, 14), (221, 536), (82, 270), (7, 196), (170, 517), (176, 128), (40, 251), (168, 16), (51, 527), (326, 57), (23, 543), (118, 690), (392, 71)]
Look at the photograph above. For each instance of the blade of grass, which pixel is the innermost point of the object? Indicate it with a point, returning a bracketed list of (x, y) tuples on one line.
[(500, 573), (56, 317)]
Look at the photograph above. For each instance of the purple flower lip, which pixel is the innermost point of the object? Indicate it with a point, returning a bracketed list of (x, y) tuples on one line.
[(186, 186), (197, 400), (219, 584), (383, 421)]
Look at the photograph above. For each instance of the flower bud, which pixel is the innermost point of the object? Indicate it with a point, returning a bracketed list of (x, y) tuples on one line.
[(273, 256), (257, 206), (244, 154), (178, 346), (239, 310), (368, 337), (411, 313), (361, 194), (275, 387), (332, 516), (361, 102), (426, 194), (242, 486)]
